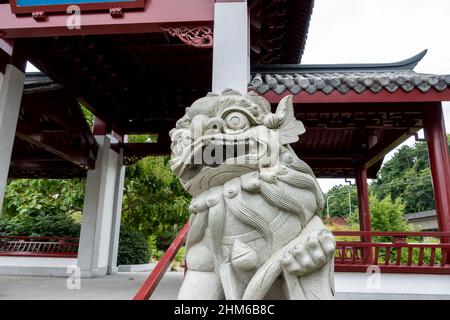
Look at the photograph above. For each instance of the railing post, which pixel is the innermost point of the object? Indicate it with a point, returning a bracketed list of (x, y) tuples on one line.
[(364, 211)]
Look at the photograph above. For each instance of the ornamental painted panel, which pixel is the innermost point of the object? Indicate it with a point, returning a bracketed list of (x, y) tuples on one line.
[(31, 6)]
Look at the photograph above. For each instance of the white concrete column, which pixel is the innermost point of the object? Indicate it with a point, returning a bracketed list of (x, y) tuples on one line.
[(117, 214), (11, 88), (231, 52), (98, 212)]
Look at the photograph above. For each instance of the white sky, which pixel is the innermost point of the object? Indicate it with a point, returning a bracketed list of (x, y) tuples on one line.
[(352, 31)]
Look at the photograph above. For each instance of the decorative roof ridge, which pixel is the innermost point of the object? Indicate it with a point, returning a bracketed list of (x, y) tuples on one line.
[(403, 65)]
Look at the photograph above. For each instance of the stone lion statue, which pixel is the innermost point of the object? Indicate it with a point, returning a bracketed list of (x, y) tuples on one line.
[(254, 231)]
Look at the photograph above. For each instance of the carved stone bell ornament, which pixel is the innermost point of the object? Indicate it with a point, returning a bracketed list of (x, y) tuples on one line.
[(255, 231)]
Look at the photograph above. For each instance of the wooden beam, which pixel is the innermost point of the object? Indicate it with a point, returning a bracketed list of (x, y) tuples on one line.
[(155, 14), (36, 163), (384, 146), (142, 149), (74, 156)]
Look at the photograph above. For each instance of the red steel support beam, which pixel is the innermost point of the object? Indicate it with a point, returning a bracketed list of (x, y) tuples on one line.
[(155, 14), (364, 211), (440, 165)]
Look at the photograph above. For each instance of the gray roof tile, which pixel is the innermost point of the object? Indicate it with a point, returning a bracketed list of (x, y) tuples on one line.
[(391, 81)]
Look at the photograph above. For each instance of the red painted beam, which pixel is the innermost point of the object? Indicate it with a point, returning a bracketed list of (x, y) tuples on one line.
[(150, 19), (366, 96), (386, 145), (150, 284)]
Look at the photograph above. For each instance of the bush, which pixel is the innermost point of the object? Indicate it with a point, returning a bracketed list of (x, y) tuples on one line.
[(40, 224), (133, 247)]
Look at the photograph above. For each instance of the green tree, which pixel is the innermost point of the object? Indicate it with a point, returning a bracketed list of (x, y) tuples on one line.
[(45, 207), (154, 202), (338, 201), (51, 196), (407, 176), (387, 215)]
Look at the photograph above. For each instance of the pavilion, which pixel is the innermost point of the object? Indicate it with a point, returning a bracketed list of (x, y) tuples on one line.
[(137, 69)]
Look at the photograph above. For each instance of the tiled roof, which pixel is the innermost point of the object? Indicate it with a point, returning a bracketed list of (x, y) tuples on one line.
[(406, 80), (38, 82)]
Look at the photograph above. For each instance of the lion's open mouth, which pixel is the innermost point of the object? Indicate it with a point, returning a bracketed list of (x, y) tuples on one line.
[(212, 151)]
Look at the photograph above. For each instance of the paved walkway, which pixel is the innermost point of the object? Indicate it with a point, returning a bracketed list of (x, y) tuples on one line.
[(124, 285), (121, 286)]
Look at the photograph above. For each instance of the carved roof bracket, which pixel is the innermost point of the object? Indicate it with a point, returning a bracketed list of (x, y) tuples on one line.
[(194, 36)]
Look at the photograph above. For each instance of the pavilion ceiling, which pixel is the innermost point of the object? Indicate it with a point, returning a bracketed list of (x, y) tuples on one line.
[(138, 83), (52, 139), (279, 29)]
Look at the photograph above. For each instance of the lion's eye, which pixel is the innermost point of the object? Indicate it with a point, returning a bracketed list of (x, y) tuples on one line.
[(236, 121)]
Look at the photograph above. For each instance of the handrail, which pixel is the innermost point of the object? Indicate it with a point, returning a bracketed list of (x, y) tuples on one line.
[(29, 246), (433, 234), (397, 255), (148, 287), (40, 238)]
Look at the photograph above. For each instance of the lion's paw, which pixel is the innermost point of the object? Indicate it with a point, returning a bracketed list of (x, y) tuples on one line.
[(310, 256)]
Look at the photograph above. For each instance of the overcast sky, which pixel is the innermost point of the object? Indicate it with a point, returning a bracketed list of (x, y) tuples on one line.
[(352, 31)]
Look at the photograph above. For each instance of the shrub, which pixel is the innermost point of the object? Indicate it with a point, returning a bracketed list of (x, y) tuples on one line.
[(40, 224), (133, 247)]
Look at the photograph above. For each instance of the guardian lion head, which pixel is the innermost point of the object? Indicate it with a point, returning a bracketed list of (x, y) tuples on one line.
[(224, 136)]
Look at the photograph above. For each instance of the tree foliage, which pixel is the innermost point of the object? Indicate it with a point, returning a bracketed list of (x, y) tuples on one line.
[(338, 201), (154, 202), (387, 215), (407, 176), (50, 196), (42, 208)]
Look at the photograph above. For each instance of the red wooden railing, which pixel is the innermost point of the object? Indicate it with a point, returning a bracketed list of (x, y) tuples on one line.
[(56, 247), (397, 255), (402, 253)]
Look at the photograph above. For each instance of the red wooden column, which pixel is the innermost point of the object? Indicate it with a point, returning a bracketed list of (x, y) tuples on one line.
[(440, 165), (364, 211)]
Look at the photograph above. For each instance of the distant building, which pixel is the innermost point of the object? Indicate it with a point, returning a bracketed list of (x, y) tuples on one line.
[(424, 220)]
